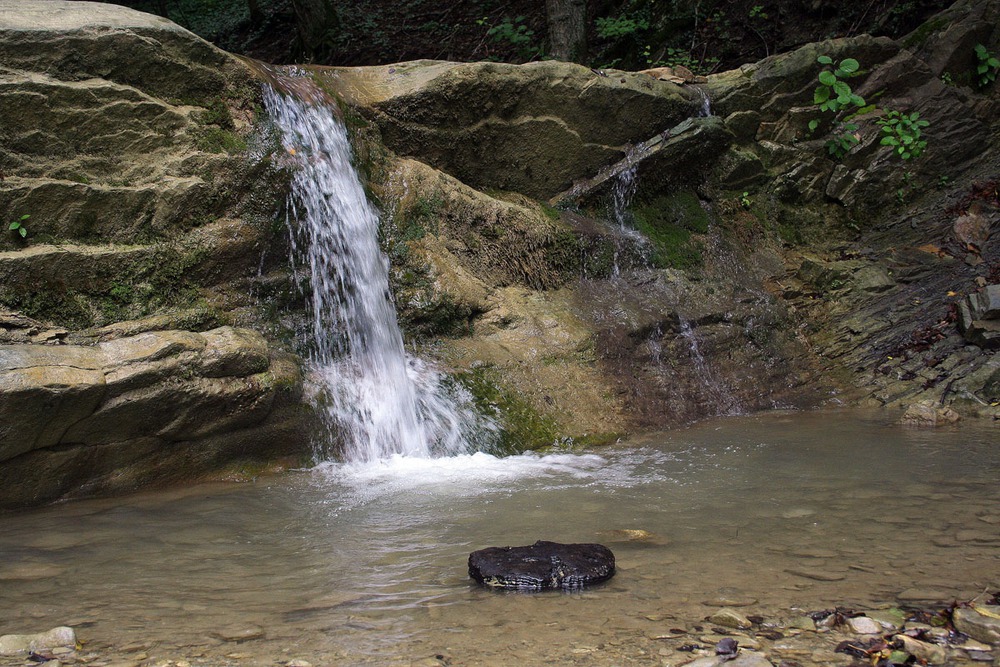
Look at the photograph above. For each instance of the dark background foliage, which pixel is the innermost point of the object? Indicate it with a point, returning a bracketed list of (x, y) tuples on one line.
[(705, 35)]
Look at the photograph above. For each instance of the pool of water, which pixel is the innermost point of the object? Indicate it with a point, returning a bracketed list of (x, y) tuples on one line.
[(344, 564)]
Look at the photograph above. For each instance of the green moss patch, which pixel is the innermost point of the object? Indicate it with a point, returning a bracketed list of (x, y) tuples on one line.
[(522, 426), (668, 222)]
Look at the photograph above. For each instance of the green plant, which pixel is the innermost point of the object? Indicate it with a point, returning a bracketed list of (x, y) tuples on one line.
[(616, 27), (987, 67), (516, 33), (833, 92), (903, 133), (757, 11), (745, 200), (841, 144), (944, 181), (946, 79), (18, 226)]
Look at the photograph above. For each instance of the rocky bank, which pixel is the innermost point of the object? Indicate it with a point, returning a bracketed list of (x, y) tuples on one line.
[(589, 252)]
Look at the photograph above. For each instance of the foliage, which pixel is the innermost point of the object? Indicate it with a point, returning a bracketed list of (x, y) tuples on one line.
[(903, 133), (18, 226), (833, 93), (515, 33), (840, 144), (615, 27), (987, 67)]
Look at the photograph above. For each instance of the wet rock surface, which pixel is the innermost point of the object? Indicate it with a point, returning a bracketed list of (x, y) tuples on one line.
[(542, 565), (110, 415)]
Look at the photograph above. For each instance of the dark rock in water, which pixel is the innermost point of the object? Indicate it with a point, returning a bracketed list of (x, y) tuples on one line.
[(542, 565)]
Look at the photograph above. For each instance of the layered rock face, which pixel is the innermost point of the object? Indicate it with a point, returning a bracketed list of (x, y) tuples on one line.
[(155, 407), (590, 252), (123, 156)]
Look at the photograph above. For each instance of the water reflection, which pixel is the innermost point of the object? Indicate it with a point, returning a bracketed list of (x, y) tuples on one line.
[(355, 563)]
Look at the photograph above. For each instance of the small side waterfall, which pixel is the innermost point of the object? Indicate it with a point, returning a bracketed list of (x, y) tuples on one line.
[(379, 401)]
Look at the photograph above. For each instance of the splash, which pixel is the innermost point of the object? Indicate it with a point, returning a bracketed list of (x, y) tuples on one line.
[(377, 400)]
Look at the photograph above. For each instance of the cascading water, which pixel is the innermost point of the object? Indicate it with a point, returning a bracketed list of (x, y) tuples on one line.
[(380, 401)]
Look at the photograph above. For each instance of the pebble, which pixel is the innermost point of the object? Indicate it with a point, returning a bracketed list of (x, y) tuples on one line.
[(817, 575), (863, 625), (240, 633), (730, 618), (298, 662), (922, 651)]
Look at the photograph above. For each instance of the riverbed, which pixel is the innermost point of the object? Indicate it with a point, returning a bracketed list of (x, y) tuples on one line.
[(775, 515)]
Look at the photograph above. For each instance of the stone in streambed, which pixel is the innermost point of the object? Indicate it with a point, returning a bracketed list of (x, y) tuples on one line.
[(982, 622), (14, 644), (542, 565)]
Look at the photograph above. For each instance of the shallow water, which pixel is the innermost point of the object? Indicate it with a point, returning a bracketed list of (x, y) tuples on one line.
[(367, 563)]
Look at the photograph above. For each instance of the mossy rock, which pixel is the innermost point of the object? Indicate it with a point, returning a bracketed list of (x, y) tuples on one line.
[(522, 426), (669, 222)]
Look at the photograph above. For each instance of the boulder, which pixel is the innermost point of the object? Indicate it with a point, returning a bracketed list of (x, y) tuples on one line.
[(542, 565), (54, 638), (981, 623), (114, 415), (541, 125)]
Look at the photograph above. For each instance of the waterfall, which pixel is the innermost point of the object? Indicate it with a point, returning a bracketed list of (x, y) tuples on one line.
[(377, 401)]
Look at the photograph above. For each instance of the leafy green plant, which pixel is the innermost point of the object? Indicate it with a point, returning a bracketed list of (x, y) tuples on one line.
[(745, 200), (512, 31), (616, 27), (833, 92), (903, 133), (834, 95), (757, 11), (841, 143), (987, 67), (18, 226)]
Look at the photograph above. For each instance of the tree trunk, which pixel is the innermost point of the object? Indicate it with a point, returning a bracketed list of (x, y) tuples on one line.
[(315, 18), (256, 16), (567, 21)]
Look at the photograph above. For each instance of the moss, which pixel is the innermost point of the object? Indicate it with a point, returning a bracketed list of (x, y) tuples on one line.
[(522, 426), (214, 139), (672, 245), (920, 35)]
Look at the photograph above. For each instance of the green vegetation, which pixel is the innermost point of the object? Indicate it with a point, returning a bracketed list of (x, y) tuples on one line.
[(841, 143), (834, 95), (986, 68), (18, 226), (668, 222), (516, 33), (903, 133), (522, 426)]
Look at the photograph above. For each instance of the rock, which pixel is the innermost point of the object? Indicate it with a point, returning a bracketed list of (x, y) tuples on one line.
[(863, 625), (730, 618), (926, 413), (923, 651), (60, 636), (973, 228), (543, 124), (982, 623), (240, 633), (120, 406), (889, 619), (542, 565), (987, 303)]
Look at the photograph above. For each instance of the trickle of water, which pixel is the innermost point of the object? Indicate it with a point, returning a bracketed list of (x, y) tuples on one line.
[(727, 403), (706, 104), (378, 400)]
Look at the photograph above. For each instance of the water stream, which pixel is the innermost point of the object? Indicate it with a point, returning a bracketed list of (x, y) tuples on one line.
[(379, 400), (365, 563)]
